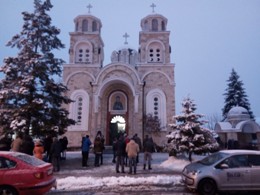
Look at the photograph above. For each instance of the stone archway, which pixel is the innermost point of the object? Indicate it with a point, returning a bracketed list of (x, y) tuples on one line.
[(117, 115)]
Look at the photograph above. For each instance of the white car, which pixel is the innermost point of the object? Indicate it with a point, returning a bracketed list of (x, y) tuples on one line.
[(226, 170)]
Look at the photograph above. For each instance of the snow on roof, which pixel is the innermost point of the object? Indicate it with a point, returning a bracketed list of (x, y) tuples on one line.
[(224, 125), (237, 110)]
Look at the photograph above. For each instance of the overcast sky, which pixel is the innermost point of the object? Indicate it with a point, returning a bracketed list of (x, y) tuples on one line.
[(208, 39)]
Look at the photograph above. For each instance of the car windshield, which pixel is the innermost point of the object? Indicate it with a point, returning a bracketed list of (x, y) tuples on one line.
[(29, 159), (213, 158)]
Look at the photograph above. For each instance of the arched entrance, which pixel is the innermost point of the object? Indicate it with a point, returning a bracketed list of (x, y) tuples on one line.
[(117, 115), (117, 126)]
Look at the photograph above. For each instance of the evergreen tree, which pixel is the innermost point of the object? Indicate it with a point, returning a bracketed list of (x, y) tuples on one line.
[(30, 99), (235, 95), (188, 133)]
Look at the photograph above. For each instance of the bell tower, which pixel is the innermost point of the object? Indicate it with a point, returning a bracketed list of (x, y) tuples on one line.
[(86, 44), (154, 45)]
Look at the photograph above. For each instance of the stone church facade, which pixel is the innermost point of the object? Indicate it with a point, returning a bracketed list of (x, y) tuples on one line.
[(115, 97)]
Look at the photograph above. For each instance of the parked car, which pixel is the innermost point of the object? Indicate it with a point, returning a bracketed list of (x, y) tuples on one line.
[(24, 174), (226, 170)]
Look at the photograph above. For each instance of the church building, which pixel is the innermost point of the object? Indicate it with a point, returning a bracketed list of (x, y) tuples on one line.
[(115, 97)]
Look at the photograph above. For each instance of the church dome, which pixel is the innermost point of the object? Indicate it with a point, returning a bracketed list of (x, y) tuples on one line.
[(125, 55), (238, 113), (154, 22), (87, 23)]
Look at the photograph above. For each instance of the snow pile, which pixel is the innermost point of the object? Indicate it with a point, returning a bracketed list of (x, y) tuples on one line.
[(76, 183), (174, 164)]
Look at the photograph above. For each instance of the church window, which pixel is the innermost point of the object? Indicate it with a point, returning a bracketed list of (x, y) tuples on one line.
[(79, 110), (146, 26), (156, 97), (154, 25), (163, 26), (155, 53), (85, 26), (83, 53), (94, 26), (77, 27)]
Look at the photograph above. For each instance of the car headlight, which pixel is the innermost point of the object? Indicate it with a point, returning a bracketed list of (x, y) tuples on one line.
[(195, 172)]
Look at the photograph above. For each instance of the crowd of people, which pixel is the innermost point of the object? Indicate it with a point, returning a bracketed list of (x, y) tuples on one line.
[(50, 149), (125, 151)]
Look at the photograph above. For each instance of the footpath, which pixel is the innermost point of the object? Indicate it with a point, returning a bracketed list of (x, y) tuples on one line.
[(71, 167)]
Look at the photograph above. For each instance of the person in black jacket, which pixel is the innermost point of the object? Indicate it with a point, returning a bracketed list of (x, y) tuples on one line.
[(120, 151), (55, 153), (27, 145), (148, 150)]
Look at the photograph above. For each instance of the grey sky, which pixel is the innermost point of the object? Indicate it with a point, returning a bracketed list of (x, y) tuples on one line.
[(208, 39)]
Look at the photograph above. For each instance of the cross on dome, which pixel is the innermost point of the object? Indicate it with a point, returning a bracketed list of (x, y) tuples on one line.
[(89, 7), (153, 6), (125, 36)]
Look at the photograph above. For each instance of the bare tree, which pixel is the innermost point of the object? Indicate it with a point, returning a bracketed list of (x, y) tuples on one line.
[(212, 120)]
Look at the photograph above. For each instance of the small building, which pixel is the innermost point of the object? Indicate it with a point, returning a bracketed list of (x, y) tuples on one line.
[(239, 130)]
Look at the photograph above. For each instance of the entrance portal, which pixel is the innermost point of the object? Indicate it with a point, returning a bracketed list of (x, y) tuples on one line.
[(116, 127)]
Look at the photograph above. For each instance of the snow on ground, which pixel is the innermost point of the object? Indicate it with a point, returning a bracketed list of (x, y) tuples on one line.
[(174, 164), (89, 182), (92, 181)]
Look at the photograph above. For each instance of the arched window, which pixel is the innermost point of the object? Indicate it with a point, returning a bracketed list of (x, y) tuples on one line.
[(156, 105), (146, 25), (85, 26), (79, 110), (154, 25), (94, 26), (163, 26), (83, 53), (155, 52), (77, 27)]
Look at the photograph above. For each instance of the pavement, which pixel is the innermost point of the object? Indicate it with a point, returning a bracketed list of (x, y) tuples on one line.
[(72, 167)]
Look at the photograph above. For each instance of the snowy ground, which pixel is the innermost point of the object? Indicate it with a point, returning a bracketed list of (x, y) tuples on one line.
[(72, 177)]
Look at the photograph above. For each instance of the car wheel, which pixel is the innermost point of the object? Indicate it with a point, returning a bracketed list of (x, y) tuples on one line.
[(207, 187), (6, 190)]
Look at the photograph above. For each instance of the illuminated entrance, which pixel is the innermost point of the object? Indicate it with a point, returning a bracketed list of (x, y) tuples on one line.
[(117, 126)]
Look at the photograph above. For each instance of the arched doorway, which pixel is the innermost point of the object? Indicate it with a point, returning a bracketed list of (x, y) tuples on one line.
[(117, 115), (117, 126)]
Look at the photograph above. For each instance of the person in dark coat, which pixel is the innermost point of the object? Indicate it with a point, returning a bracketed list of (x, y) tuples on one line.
[(47, 147), (101, 136), (5, 143), (98, 149), (64, 147), (120, 153), (55, 153), (114, 149), (139, 142), (148, 150), (86, 143), (28, 145)]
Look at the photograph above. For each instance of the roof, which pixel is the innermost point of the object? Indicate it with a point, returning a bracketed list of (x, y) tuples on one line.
[(240, 151)]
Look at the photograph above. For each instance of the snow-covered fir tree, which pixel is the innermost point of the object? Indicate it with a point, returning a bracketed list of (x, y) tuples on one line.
[(30, 97), (189, 135), (235, 95)]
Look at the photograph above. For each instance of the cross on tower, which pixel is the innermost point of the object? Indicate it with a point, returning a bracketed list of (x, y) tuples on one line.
[(125, 36), (89, 7), (153, 6)]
